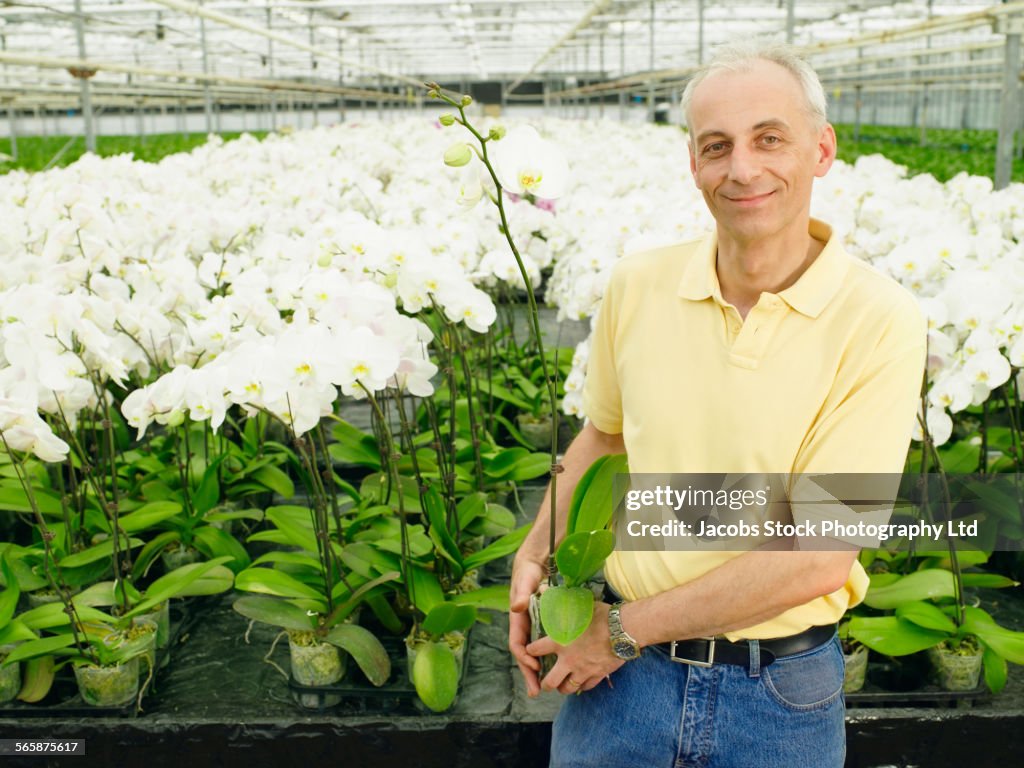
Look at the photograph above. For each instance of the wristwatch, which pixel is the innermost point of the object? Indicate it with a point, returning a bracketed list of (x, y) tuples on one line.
[(623, 644)]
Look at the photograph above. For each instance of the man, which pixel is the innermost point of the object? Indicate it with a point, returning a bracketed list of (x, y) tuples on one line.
[(762, 348)]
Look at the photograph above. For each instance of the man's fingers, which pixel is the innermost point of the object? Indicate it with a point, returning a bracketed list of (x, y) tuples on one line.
[(518, 634), (554, 679), (530, 678), (542, 647)]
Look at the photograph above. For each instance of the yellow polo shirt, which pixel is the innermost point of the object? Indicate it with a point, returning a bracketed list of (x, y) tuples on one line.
[(823, 377)]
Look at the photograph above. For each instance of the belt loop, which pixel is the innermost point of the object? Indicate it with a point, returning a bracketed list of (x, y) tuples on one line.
[(754, 668)]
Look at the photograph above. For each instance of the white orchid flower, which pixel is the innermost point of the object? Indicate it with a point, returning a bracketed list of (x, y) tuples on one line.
[(527, 164), (988, 368)]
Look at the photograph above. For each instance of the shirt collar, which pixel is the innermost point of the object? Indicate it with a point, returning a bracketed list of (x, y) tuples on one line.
[(809, 295)]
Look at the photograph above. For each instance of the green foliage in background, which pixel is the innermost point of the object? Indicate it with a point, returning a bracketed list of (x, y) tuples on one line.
[(945, 154), (34, 152)]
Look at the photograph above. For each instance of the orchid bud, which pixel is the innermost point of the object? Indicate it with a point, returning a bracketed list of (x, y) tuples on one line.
[(446, 119), (467, 100), (175, 418), (496, 133), (325, 259), (458, 154)]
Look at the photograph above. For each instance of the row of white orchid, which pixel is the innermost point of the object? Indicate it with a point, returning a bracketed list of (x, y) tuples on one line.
[(275, 274)]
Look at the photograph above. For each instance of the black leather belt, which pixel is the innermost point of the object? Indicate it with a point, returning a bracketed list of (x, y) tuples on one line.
[(707, 651)]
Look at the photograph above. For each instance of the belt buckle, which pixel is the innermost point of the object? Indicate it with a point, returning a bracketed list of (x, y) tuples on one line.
[(694, 662)]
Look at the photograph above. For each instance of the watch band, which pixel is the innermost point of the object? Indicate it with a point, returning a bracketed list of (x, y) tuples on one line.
[(623, 644)]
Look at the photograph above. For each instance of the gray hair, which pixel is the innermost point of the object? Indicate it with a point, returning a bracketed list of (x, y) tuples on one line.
[(741, 58)]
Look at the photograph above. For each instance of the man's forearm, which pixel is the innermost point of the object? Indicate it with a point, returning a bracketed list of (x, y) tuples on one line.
[(590, 444), (754, 587)]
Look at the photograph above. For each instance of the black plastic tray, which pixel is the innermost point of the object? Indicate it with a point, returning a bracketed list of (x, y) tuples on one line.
[(69, 702)]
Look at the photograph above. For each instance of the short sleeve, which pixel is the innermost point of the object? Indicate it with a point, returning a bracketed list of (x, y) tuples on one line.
[(867, 420), (862, 434), (602, 397)]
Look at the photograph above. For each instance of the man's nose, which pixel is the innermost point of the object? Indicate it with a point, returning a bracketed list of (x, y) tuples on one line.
[(744, 165)]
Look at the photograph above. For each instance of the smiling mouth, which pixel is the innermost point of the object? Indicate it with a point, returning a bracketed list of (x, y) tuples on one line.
[(749, 199)]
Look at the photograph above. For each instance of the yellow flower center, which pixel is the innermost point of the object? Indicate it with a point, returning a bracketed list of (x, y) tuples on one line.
[(528, 179)]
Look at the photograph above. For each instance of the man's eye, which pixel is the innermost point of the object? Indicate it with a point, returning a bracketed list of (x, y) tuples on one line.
[(718, 146), (771, 139)]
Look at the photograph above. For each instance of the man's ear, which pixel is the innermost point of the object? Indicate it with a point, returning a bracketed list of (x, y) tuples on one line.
[(826, 150)]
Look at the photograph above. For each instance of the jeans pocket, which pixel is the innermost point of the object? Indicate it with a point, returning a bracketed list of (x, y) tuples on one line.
[(807, 681)]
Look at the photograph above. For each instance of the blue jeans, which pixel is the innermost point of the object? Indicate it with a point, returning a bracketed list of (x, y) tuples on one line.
[(662, 714)]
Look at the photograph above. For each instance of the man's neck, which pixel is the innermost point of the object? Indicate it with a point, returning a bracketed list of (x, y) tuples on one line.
[(748, 269)]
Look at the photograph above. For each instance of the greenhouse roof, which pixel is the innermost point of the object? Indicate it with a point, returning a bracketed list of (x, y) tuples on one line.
[(148, 48)]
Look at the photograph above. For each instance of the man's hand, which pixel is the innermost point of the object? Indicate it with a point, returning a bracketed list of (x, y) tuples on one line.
[(585, 662), (527, 575)]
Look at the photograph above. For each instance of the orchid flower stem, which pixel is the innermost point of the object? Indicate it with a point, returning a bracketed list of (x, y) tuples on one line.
[(110, 513), (317, 505), (534, 327), (328, 474), (420, 484), (390, 457), (56, 582), (473, 424)]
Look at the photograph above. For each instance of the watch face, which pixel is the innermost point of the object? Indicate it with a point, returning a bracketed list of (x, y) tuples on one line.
[(624, 649)]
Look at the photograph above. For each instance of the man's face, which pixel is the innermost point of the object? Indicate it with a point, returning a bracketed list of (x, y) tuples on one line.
[(754, 150)]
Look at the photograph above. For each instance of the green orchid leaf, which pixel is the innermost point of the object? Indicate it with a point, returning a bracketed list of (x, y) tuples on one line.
[(272, 582), (215, 581), (927, 615), (426, 589), (296, 525), (217, 544), (99, 594), (9, 597), (493, 597), (988, 580), (504, 463), (148, 515), (594, 499), (15, 632), (893, 636), (566, 612), (152, 551), (435, 674), (290, 558), (275, 612), (351, 601), (353, 446), (365, 648), (274, 479), (103, 550), (207, 494), (582, 554), (14, 499), (33, 649), (384, 612), (1006, 642), (52, 615), (995, 670), (176, 583), (470, 508), (449, 617), (496, 520), (367, 560), (439, 533), (921, 585), (506, 545)]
